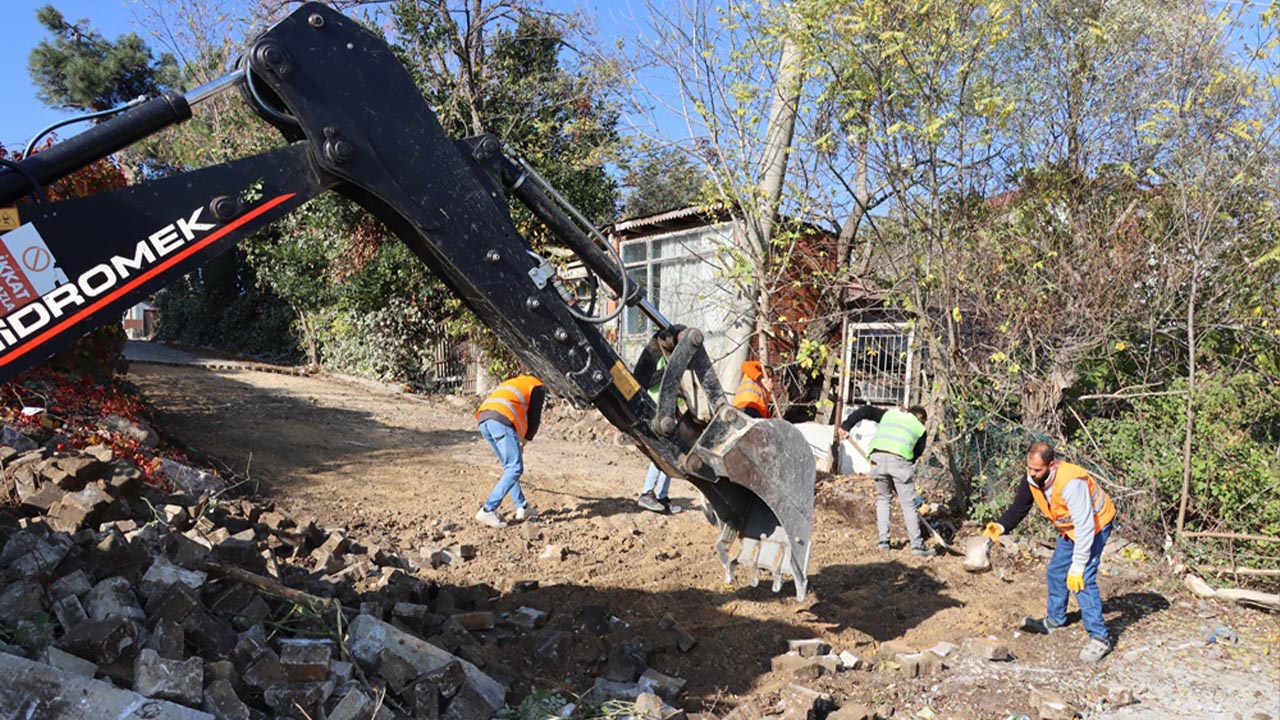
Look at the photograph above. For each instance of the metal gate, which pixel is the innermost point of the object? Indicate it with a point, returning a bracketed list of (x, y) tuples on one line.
[(877, 363)]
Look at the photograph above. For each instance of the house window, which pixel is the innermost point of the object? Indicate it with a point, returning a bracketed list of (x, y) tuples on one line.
[(675, 276), (878, 363)]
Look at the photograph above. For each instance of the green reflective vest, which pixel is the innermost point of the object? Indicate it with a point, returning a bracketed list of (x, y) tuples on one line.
[(898, 433), (656, 389)]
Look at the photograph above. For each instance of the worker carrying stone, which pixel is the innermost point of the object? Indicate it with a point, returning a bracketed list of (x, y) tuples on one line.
[(897, 444), (1083, 514)]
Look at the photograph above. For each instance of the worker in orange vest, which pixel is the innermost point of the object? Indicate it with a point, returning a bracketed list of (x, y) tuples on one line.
[(508, 419), (1083, 514), (755, 392)]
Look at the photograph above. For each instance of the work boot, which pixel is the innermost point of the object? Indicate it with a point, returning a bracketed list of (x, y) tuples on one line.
[(1039, 626), (649, 501), (1095, 650), (924, 552), (525, 512), (490, 518)]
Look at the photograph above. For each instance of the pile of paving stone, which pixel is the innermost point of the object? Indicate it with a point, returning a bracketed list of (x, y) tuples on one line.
[(118, 599)]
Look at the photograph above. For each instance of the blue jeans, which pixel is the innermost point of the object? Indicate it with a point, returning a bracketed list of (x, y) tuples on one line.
[(656, 482), (506, 445), (1089, 599)]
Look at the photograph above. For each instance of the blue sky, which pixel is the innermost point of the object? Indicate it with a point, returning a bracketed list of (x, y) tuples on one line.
[(24, 115)]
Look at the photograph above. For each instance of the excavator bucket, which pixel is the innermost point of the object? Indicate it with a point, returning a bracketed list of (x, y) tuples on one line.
[(763, 496)]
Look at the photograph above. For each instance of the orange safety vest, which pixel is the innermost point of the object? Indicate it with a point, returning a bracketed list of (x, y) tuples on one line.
[(511, 400), (1055, 508), (751, 394)]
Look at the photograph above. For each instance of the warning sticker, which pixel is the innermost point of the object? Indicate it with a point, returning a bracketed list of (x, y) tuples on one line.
[(27, 268), (8, 218)]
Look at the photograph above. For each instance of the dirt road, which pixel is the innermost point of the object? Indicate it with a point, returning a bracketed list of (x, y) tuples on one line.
[(406, 471)]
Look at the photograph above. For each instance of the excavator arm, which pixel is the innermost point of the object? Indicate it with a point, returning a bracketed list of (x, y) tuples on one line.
[(357, 125)]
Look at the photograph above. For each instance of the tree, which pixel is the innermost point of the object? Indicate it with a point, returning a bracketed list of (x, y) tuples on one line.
[(78, 68), (661, 180), (739, 83)]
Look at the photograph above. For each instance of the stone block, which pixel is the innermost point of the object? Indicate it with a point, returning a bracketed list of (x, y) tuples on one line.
[(468, 704), (15, 439), (923, 664), (472, 621), (67, 662), (124, 476), (175, 603), (84, 467), (849, 661), (830, 664), (341, 671), (683, 640), (69, 612), (113, 596), (553, 648), (987, 648), (648, 707), (808, 648), (249, 645), (1119, 695), (553, 553), (76, 584), (666, 686), (30, 554), (528, 618), (100, 641), (893, 648), (166, 640), (219, 670), (355, 705), (190, 481), (627, 660), (425, 704), (1051, 706), (113, 555), (254, 613), (213, 637), (178, 680), (163, 574), (302, 701), (20, 600), (943, 649), (305, 660), (29, 684), (35, 492), (265, 671), (794, 667), (78, 509), (448, 679), (222, 702), (432, 556), (396, 669), (191, 549), (803, 703), (367, 637)]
